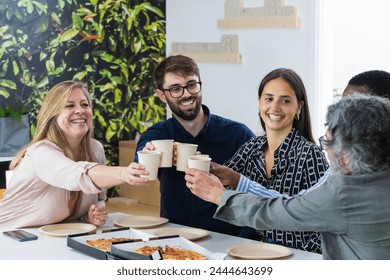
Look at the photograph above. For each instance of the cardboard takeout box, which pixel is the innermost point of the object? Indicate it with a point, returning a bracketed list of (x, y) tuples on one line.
[(124, 250)]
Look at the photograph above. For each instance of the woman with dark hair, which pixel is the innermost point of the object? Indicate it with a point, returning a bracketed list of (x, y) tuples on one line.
[(285, 159), (301, 120), (350, 206)]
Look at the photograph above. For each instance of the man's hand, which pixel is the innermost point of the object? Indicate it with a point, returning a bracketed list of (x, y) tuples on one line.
[(204, 185), (226, 175)]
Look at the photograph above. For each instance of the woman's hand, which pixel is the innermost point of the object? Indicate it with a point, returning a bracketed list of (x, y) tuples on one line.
[(97, 214), (131, 174), (226, 175), (204, 185)]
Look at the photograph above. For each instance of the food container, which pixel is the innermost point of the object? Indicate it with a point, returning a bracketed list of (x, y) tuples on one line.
[(79, 241), (125, 250)]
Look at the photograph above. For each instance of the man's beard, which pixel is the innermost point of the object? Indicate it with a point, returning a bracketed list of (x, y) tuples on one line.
[(186, 115)]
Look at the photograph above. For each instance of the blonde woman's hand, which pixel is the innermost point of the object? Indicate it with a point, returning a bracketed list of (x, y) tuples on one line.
[(131, 174), (97, 214)]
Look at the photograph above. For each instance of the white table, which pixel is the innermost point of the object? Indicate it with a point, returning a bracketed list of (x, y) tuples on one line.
[(54, 248)]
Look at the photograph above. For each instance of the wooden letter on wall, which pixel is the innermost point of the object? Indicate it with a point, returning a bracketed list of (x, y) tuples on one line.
[(226, 51), (273, 14)]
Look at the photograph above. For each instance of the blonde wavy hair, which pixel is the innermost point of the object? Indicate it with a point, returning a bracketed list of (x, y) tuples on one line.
[(47, 129)]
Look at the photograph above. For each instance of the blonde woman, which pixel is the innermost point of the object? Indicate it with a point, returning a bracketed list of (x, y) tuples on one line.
[(60, 175)]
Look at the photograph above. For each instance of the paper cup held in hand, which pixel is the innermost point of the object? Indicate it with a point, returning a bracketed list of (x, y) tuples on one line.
[(166, 148), (183, 152), (151, 160), (201, 162)]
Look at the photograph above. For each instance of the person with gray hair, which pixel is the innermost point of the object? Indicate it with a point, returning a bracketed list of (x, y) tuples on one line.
[(349, 208)]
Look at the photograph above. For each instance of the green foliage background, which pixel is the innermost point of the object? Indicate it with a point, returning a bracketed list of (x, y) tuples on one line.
[(112, 45)]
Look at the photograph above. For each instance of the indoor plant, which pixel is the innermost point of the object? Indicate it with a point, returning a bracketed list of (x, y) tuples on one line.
[(14, 129), (113, 45)]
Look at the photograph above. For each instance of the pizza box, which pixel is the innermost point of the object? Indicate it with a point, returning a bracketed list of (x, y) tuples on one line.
[(78, 241), (125, 251)]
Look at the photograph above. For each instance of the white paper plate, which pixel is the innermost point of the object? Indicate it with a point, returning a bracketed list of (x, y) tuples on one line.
[(259, 251), (188, 233), (140, 221), (67, 229)]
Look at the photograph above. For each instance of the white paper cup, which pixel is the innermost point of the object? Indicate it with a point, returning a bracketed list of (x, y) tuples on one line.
[(151, 160), (8, 174), (183, 152), (166, 149), (201, 162)]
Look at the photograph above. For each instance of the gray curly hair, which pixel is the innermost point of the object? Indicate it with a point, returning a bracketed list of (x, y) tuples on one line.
[(359, 127)]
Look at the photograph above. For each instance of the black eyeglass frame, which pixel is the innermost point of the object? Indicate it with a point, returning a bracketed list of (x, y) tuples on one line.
[(323, 142), (182, 89)]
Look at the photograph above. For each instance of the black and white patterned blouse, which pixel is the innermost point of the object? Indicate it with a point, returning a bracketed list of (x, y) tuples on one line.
[(298, 165)]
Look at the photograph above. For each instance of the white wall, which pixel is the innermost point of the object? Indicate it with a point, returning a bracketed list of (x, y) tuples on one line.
[(230, 90), (361, 38)]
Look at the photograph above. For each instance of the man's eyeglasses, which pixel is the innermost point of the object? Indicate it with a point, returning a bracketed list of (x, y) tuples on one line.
[(178, 91), (323, 142)]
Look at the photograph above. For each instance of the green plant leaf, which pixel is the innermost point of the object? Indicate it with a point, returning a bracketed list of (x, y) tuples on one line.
[(41, 7), (80, 76), (50, 65), (8, 83), (15, 68), (43, 83), (42, 55), (7, 44), (4, 92), (77, 22), (16, 115), (4, 29), (61, 3), (109, 133), (40, 25), (154, 9), (55, 18), (30, 7), (69, 34)]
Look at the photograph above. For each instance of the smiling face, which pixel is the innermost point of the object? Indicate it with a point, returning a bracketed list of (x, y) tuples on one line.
[(186, 107), (76, 118), (278, 106)]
